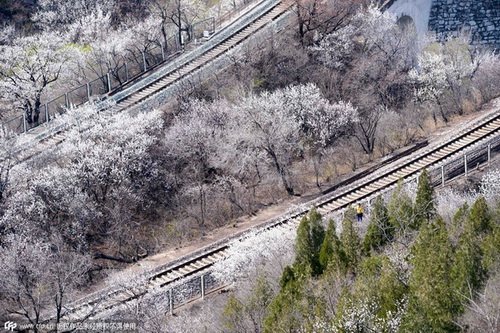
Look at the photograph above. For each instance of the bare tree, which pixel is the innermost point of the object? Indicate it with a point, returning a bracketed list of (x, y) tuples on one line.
[(316, 18), (483, 310), (38, 277)]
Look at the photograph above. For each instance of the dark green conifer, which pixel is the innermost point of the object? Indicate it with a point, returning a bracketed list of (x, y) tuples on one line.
[(331, 255), (284, 313), (350, 241), (479, 216), (378, 283), (310, 235), (317, 238), (380, 231), (303, 249), (424, 209), (490, 247), (467, 272), (430, 300), (459, 221), (288, 279), (400, 210)]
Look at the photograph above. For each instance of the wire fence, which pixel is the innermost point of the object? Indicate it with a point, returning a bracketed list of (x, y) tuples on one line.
[(198, 287), (203, 29), (137, 61), (235, 12), (471, 159)]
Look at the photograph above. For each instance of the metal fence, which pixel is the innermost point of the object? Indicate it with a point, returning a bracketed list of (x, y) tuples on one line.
[(135, 63), (203, 29), (198, 287), (469, 160), (191, 289)]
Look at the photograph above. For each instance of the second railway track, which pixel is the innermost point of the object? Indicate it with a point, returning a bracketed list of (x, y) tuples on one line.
[(263, 14), (204, 57), (164, 277)]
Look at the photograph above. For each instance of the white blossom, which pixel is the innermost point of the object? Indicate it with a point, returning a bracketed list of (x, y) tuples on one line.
[(262, 250), (29, 68), (490, 184), (449, 201)]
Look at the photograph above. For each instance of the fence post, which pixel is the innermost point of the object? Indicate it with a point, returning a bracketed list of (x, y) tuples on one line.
[(171, 301), (162, 52), (66, 100), (144, 61), (203, 287), (88, 91), (465, 164), (47, 118), (25, 126), (126, 72), (489, 154), (177, 42), (108, 79), (442, 175)]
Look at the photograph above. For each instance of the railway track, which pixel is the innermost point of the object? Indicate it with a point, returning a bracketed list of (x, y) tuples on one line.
[(203, 58), (105, 301), (173, 73), (164, 277)]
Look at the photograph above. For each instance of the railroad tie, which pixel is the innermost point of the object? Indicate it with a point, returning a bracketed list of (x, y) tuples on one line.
[(206, 261)]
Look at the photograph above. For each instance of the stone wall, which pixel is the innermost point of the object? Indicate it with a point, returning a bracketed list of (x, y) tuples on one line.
[(480, 17)]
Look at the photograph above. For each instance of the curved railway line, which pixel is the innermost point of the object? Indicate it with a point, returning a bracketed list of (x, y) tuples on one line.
[(166, 276)]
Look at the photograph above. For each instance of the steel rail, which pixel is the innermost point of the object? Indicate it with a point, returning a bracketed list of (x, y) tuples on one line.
[(167, 76), (166, 276), (200, 261)]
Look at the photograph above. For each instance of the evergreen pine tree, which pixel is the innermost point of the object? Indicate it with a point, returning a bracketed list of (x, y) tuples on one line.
[(310, 235), (378, 283), (430, 299), (288, 280), (350, 241), (304, 249), (490, 244), (479, 216), (331, 255), (284, 311), (380, 231), (466, 272), (459, 221), (400, 210), (490, 247), (424, 209), (317, 238)]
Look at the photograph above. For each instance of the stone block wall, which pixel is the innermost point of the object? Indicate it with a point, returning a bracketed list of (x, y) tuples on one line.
[(480, 17)]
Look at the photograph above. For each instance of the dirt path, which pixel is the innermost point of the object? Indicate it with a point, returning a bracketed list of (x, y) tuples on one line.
[(441, 134)]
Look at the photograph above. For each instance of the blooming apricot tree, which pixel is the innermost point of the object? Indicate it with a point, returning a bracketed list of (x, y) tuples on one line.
[(29, 66)]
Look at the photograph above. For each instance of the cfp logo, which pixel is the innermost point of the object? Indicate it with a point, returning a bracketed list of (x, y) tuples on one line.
[(10, 326)]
